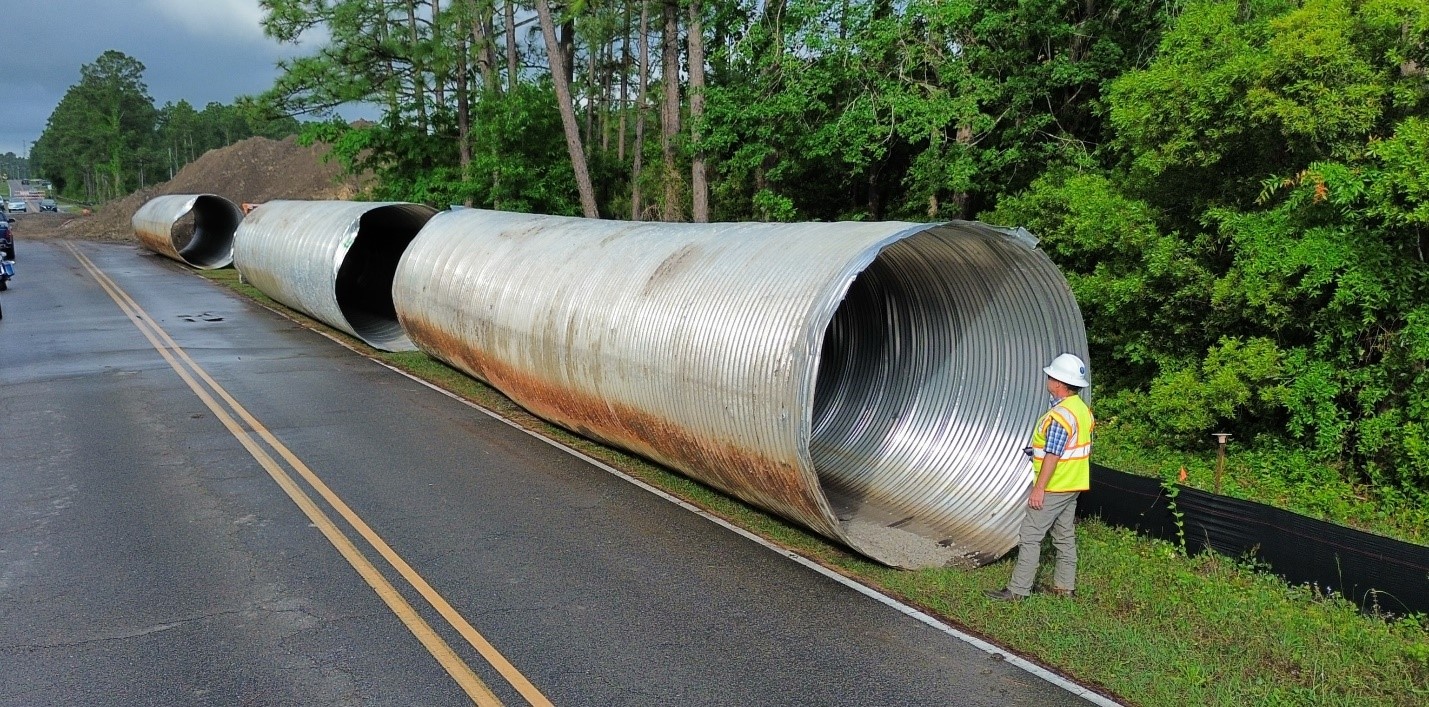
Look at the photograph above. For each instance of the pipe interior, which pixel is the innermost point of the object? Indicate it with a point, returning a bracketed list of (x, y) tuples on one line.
[(364, 281), (206, 240), (912, 376), (181, 234)]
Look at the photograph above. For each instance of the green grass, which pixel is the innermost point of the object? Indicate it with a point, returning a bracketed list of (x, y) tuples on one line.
[(1149, 626)]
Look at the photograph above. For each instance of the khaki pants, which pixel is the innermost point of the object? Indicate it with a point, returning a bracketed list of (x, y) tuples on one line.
[(1057, 514)]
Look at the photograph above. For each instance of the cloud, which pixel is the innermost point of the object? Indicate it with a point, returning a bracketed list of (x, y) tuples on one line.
[(214, 18), (194, 50)]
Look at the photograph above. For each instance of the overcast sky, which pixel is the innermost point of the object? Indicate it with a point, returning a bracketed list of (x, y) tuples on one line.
[(195, 50)]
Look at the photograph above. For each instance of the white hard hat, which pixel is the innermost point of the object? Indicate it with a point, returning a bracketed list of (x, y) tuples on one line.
[(1069, 369)]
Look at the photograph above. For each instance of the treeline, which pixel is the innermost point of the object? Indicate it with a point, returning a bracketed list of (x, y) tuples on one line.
[(723, 109), (14, 166), (1238, 190), (106, 138)]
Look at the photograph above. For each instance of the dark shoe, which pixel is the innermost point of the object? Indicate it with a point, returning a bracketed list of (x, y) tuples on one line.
[(1060, 592), (1003, 595)]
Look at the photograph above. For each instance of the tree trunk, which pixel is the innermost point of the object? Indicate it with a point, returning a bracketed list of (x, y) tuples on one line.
[(419, 80), (774, 17), (670, 109), (488, 50), (463, 118), (1078, 49), (485, 55), (394, 103), (699, 186), (607, 62), (568, 116), (568, 49), (961, 199), (624, 85), (644, 85), (513, 72), (590, 95), (875, 196), (439, 72)]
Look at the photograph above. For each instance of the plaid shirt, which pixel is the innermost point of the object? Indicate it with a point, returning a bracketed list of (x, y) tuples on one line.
[(1056, 438)]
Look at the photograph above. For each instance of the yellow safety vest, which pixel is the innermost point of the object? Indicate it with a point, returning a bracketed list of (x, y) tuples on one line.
[(1074, 468)]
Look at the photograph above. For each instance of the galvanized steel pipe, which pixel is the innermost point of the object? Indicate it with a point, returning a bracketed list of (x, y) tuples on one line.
[(874, 382), (332, 260), (196, 229)]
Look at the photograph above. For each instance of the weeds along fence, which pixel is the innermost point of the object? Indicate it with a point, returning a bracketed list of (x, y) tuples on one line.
[(1377, 573)]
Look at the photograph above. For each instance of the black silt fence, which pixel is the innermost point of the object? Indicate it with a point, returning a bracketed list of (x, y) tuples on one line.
[(1370, 570)]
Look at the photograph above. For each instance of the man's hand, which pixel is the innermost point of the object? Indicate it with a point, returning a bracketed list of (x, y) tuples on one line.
[(1035, 500)]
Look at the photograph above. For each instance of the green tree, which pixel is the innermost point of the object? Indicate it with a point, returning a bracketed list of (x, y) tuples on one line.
[(917, 109), (1270, 172), (177, 134), (98, 137)]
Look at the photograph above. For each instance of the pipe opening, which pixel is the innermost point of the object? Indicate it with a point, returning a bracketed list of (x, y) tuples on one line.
[(912, 388), (364, 280), (203, 236)]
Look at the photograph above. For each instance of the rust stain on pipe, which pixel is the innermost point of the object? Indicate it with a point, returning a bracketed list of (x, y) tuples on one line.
[(723, 464), (195, 229)]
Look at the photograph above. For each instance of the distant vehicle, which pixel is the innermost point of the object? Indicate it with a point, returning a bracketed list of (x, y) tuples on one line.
[(7, 239), (7, 244), (25, 182), (17, 206), (49, 205)]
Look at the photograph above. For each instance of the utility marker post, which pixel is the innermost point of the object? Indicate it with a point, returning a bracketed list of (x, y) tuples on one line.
[(1221, 438)]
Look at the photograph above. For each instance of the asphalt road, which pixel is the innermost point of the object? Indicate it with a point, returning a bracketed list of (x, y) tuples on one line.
[(23, 192), (149, 556)]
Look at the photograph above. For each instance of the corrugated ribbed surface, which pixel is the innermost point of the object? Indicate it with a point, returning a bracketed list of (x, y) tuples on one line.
[(332, 260), (930, 381), (207, 246), (703, 346)]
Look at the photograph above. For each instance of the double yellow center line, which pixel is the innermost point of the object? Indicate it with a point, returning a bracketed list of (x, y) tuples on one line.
[(244, 427)]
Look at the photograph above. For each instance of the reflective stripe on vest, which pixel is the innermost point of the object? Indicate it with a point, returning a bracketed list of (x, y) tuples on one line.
[(1074, 469)]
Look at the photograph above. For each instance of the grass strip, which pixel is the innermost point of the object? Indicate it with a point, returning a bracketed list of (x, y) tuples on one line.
[(1149, 626)]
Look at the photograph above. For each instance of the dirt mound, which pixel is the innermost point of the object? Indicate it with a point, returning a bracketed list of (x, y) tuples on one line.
[(253, 170)]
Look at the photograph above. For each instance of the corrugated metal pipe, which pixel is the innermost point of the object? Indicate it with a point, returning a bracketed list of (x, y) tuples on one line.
[(874, 382), (196, 229), (333, 260)]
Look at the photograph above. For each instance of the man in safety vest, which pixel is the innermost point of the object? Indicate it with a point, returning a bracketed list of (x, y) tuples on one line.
[(1061, 469)]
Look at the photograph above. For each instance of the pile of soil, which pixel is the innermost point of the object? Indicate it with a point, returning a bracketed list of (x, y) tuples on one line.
[(251, 171)]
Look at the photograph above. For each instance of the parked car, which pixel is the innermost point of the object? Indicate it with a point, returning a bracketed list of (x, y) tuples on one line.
[(17, 206), (49, 205)]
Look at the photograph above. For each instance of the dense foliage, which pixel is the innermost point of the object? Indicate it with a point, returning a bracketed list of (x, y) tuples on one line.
[(1252, 257), (106, 138), (1238, 191)]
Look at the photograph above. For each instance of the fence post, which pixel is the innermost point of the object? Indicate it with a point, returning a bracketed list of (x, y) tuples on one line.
[(1221, 437)]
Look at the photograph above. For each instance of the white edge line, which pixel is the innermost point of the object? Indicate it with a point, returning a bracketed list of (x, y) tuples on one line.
[(931, 621), (989, 648)]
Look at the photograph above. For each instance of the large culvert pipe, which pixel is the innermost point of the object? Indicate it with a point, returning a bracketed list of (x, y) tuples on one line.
[(196, 229), (332, 260), (874, 382)]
